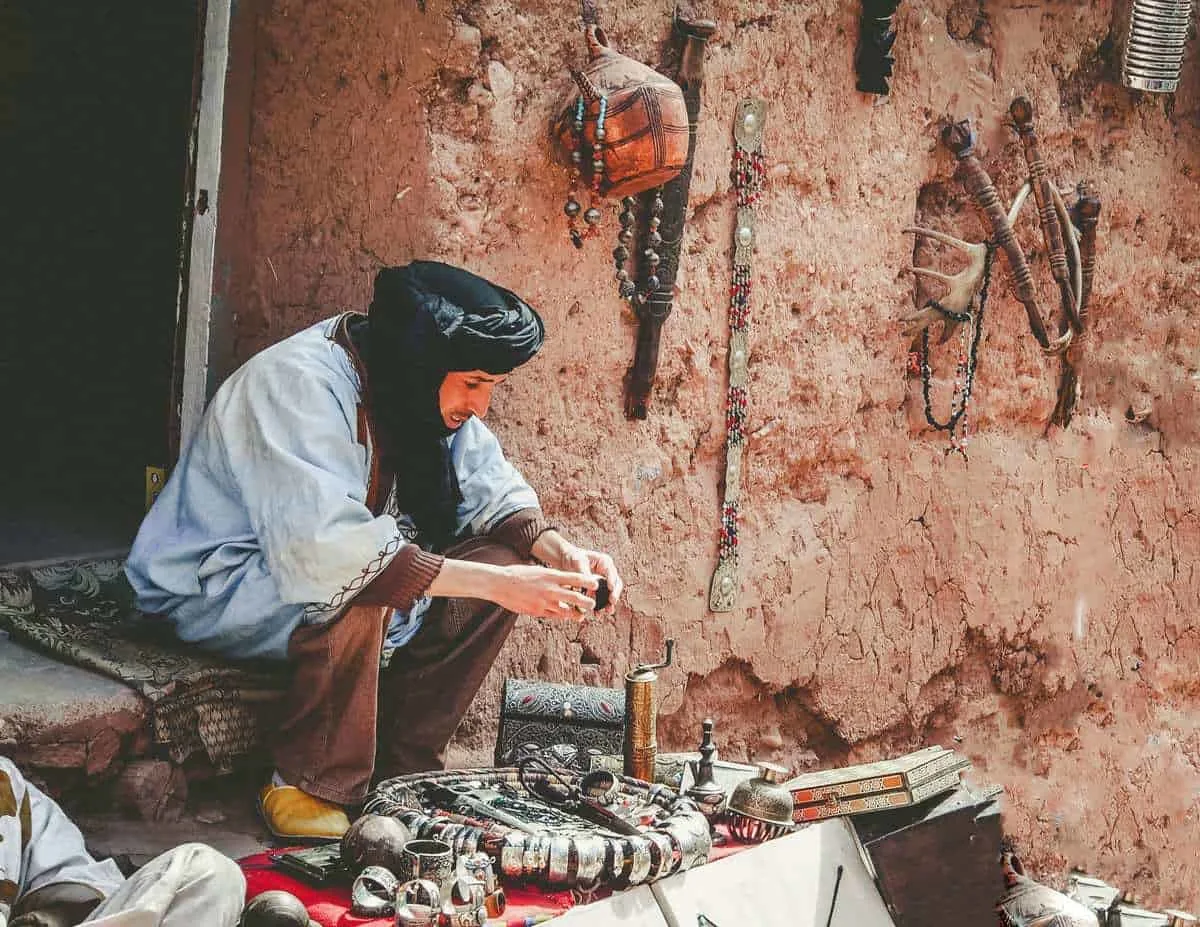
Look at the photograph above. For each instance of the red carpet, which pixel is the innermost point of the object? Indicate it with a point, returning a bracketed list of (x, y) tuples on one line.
[(330, 907)]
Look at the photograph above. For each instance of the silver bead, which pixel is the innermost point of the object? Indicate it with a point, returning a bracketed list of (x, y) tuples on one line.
[(745, 234), (750, 121)]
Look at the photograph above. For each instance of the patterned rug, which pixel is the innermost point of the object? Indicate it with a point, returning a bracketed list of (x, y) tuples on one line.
[(82, 612)]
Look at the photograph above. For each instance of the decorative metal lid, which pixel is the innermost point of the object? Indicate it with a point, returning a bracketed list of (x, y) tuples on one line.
[(763, 797), (772, 772)]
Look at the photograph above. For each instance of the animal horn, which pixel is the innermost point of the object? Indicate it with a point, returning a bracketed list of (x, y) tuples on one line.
[(586, 87), (964, 286)]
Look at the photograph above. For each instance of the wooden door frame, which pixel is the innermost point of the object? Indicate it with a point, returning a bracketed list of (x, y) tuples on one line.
[(194, 312)]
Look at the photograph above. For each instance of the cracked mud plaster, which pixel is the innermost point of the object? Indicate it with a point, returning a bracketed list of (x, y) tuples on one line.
[(1039, 601)]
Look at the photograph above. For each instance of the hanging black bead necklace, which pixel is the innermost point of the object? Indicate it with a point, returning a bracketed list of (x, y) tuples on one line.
[(964, 376), (627, 289)]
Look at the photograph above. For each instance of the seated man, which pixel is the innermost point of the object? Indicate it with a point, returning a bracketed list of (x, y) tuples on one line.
[(342, 498), (47, 878)]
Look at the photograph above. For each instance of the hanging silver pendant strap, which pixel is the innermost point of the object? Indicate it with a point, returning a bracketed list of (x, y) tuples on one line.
[(748, 175)]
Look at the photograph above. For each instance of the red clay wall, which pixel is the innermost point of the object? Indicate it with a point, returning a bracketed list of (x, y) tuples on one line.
[(1036, 605)]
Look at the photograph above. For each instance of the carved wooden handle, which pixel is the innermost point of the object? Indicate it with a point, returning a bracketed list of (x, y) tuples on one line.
[(960, 139), (1087, 217), (1021, 111), (640, 379)]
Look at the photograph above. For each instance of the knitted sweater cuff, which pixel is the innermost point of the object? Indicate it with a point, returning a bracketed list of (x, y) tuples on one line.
[(521, 530), (403, 581)]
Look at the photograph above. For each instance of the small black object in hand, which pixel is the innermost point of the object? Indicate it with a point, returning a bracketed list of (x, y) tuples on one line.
[(602, 593)]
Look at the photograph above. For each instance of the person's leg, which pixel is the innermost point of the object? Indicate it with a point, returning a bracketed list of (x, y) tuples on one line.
[(190, 885), (432, 680), (324, 741)]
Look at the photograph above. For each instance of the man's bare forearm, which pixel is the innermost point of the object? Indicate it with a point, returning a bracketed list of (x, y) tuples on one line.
[(465, 579)]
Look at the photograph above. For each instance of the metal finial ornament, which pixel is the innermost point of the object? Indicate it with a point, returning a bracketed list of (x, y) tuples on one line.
[(704, 791), (749, 173)]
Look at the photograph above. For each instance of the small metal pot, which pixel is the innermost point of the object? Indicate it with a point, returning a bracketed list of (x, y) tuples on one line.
[(761, 808)]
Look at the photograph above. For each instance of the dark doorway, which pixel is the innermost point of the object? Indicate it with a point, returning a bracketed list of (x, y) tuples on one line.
[(96, 109)]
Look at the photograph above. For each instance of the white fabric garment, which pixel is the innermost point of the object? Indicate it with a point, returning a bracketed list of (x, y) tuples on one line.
[(40, 846), (264, 525), (188, 886)]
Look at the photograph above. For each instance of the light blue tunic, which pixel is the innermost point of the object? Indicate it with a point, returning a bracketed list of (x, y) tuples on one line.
[(263, 524)]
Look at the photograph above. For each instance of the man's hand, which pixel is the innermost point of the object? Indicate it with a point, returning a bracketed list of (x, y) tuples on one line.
[(554, 549), (60, 904), (541, 592), (55, 916), (42, 919)]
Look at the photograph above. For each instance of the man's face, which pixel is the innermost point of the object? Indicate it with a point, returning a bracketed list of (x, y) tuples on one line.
[(464, 393)]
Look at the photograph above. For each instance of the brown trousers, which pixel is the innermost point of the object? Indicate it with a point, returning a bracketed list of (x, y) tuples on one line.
[(345, 721)]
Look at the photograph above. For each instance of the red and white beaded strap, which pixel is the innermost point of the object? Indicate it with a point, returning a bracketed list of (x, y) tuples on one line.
[(748, 173)]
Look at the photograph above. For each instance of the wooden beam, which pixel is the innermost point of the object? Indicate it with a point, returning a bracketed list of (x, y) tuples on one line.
[(196, 304)]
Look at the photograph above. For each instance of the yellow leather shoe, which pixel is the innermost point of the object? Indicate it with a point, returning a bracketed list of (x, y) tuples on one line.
[(292, 814)]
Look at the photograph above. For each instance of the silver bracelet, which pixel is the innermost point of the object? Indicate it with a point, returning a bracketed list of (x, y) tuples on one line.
[(373, 893)]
